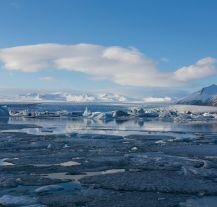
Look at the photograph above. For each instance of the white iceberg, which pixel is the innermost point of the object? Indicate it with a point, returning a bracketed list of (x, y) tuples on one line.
[(140, 112), (107, 116), (87, 113), (168, 114)]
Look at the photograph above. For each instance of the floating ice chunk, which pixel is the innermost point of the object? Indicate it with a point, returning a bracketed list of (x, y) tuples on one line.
[(132, 111), (87, 112), (168, 114), (69, 163), (108, 116), (160, 142), (48, 188), (120, 113), (134, 148), (9, 200), (3, 162), (151, 114), (66, 146), (136, 111), (49, 146), (94, 115), (208, 115), (140, 112)]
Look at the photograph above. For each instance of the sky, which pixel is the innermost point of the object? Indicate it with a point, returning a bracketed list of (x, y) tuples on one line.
[(137, 47)]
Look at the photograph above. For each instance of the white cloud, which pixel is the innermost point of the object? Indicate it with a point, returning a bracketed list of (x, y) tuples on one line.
[(124, 66), (157, 100), (48, 78), (203, 68)]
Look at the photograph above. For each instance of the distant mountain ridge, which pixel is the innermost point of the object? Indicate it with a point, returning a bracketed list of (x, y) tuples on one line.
[(71, 97), (80, 97), (206, 96)]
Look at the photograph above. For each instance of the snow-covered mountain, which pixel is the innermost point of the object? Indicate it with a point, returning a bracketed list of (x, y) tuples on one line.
[(74, 97), (206, 96), (78, 97)]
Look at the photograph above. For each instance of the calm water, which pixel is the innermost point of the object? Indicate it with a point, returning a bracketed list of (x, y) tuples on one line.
[(69, 125), (54, 107)]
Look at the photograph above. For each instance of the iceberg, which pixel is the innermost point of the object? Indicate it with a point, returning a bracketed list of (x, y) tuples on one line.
[(108, 116), (168, 114), (140, 112), (4, 111), (120, 113), (103, 116), (87, 113)]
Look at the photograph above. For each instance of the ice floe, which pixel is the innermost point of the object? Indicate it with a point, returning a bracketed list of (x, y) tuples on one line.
[(177, 113), (9, 200), (3, 162), (48, 188)]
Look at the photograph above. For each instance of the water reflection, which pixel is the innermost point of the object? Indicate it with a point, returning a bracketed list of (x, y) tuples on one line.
[(66, 126), (4, 120)]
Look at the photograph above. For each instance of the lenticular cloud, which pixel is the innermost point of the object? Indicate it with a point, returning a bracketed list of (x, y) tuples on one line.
[(124, 66)]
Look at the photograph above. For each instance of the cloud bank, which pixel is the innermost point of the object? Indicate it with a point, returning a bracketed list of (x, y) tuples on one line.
[(203, 68), (157, 100), (124, 66)]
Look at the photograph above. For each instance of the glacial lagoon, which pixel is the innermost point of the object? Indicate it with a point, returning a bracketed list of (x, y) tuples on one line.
[(59, 159)]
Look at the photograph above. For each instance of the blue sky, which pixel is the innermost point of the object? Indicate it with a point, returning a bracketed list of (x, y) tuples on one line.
[(169, 35)]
